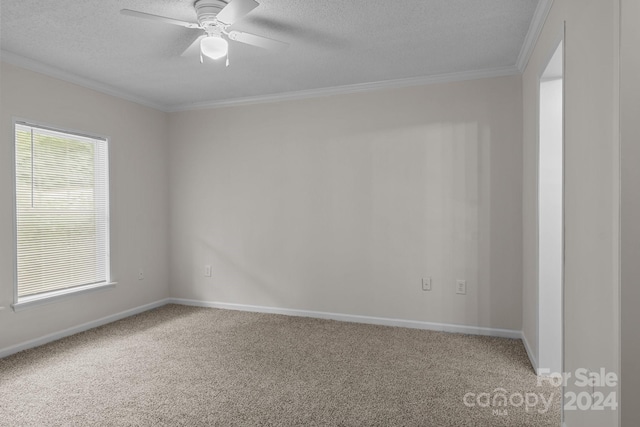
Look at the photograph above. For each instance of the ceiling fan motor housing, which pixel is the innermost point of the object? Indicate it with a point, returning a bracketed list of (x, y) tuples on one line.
[(207, 10)]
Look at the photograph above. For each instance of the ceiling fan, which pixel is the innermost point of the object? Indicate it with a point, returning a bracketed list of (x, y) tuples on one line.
[(215, 17)]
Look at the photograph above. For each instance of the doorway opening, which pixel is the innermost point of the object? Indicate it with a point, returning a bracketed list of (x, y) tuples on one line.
[(551, 215)]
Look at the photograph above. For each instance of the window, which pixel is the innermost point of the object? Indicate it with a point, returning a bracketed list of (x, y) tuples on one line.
[(62, 213)]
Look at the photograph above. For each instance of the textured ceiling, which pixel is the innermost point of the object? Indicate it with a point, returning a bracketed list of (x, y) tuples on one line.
[(332, 43)]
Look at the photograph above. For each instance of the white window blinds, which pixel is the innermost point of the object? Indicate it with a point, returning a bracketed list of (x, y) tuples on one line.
[(62, 210)]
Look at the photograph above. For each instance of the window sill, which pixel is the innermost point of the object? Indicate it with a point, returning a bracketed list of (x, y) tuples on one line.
[(49, 297)]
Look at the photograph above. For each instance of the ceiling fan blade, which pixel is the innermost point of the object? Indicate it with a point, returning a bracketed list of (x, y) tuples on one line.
[(194, 48), (235, 10), (259, 41), (164, 19)]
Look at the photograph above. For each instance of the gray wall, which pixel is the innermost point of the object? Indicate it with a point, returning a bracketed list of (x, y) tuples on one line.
[(139, 204), (591, 304), (342, 204), (630, 136)]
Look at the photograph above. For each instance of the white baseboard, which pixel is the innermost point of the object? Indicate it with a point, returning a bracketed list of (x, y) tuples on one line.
[(444, 327), (80, 328), (532, 357)]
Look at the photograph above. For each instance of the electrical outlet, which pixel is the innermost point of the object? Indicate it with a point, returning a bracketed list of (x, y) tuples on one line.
[(461, 287), (207, 271), (426, 283), (140, 274)]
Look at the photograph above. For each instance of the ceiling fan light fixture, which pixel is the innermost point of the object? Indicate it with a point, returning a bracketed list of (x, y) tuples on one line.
[(214, 47)]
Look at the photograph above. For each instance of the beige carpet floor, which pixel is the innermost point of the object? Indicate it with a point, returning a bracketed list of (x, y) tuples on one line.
[(187, 366)]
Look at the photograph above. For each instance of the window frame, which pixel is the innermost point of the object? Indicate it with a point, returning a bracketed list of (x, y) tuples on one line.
[(21, 303)]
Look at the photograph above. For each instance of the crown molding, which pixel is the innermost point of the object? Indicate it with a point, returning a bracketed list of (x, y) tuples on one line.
[(39, 67), (347, 89), (535, 28), (33, 65)]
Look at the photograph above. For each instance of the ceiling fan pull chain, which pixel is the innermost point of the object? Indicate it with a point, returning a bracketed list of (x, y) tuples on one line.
[(201, 58), (227, 59)]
